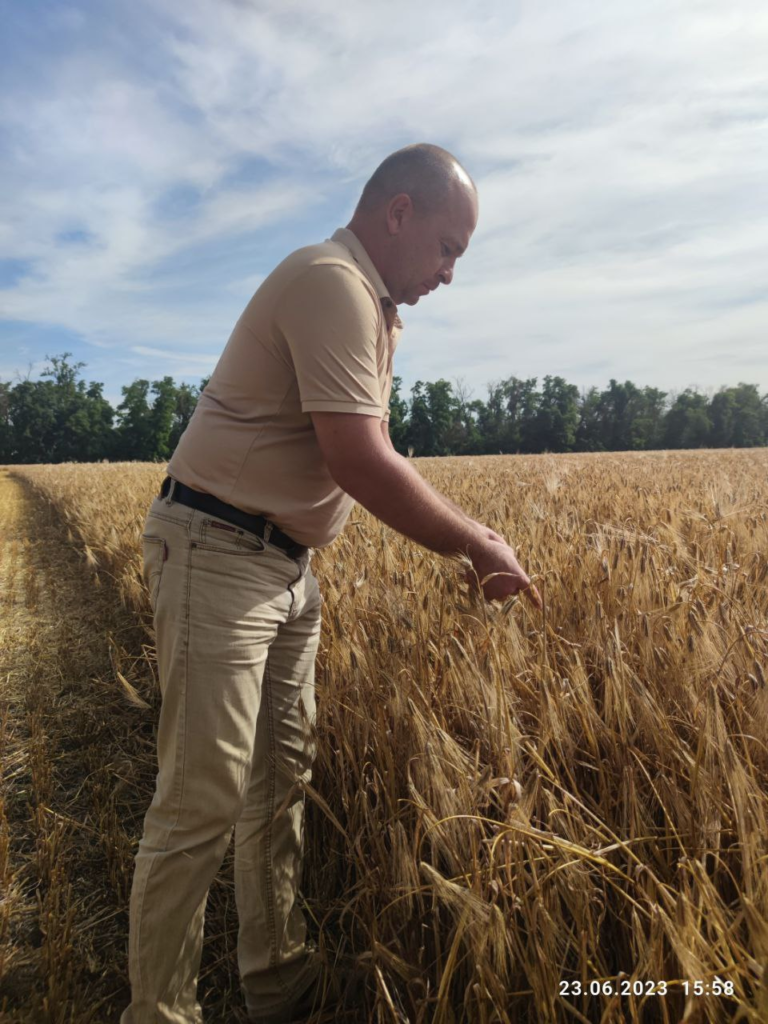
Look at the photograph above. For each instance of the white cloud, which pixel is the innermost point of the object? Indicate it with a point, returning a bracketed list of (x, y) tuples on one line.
[(619, 152), (144, 350)]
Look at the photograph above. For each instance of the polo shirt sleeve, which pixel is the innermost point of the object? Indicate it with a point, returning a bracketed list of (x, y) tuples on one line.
[(331, 327)]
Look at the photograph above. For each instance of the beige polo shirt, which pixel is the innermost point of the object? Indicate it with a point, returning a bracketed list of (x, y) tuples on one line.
[(318, 335)]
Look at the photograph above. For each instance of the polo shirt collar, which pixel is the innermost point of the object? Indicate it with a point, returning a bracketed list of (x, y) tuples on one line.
[(360, 256)]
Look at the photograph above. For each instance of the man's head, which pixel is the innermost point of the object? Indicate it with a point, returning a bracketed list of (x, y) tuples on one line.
[(415, 217)]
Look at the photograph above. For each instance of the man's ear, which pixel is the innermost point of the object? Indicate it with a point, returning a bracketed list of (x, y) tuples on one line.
[(399, 207)]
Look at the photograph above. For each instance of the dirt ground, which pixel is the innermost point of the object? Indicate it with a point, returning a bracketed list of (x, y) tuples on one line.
[(77, 776)]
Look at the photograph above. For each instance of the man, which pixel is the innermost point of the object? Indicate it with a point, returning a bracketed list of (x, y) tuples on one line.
[(290, 431)]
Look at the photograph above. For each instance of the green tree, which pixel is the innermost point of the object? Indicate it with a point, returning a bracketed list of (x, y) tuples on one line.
[(398, 414), (466, 438), (721, 413), (84, 416), (33, 415), (59, 419), (521, 406), (152, 418), (492, 419), (687, 423), (133, 436), (475, 412), (589, 432), (443, 416), (91, 420), (618, 404), (419, 435), (6, 426), (748, 417), (555, 422), (621, 417), (187, 396), (646, 418), (163, 417)]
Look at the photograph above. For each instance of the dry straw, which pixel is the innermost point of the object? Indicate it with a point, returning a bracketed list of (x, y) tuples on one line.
[(505, 801)]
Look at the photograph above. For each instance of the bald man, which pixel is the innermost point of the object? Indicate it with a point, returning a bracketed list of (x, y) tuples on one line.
[(289, 433)]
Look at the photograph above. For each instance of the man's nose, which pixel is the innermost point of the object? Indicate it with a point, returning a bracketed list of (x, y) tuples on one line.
[(446, 275)]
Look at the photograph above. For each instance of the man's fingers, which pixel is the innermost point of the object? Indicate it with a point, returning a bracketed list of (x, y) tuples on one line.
[(528, 588), (497, 538)]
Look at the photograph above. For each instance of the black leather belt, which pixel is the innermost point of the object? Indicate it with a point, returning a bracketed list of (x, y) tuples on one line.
[(253, 524)]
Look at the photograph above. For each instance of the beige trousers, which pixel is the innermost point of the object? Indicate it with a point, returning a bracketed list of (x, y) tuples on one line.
[(238, 624)]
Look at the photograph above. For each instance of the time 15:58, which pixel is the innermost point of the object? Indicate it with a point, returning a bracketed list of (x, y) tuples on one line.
[(716, 987)]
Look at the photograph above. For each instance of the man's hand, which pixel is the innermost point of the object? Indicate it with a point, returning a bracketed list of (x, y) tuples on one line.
[(514, 578), (488, 562), (490, 534), (497, 560)]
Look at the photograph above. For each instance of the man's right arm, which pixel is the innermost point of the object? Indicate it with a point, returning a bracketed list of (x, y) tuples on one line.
[(363, 465), (382, 481)]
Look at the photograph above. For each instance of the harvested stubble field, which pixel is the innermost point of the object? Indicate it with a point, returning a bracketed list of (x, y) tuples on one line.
[(505, 803)]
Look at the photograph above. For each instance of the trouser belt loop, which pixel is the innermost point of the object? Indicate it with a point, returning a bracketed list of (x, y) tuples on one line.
[(171, 489), (267, 530)]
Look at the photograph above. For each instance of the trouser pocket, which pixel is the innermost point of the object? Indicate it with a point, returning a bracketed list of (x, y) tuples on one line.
[(155, 553)]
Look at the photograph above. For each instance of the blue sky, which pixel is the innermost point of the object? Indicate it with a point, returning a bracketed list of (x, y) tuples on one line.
[(158, 159)]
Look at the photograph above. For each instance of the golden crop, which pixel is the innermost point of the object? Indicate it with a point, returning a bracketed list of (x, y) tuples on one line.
[(505, 800)]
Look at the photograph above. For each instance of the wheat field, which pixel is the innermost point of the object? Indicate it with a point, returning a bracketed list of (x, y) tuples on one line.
[(515, 816)]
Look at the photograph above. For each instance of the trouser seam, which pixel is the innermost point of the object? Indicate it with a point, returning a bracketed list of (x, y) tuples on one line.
[(182, 727), (183, 745), (187, 613), (271, 812)]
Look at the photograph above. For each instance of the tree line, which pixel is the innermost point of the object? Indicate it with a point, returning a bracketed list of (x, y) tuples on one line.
[(61, 418)]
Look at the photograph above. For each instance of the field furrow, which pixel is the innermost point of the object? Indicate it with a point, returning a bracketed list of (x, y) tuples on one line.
[(77, 774)]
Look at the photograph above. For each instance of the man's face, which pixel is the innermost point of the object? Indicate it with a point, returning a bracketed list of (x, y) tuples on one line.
[(428, 247)]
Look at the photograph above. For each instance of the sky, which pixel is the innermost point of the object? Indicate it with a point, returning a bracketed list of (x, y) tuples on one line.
[(158, 159)]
